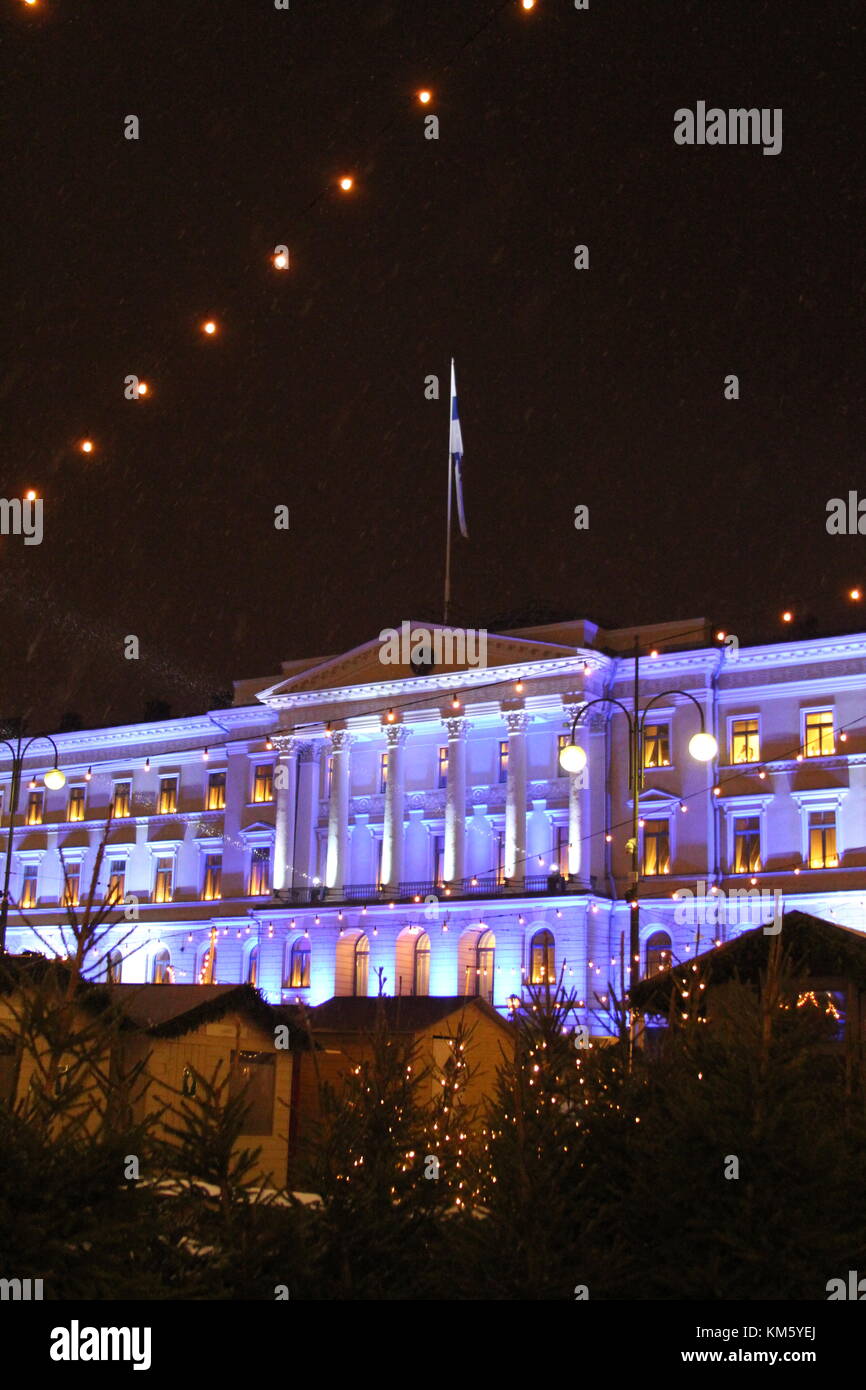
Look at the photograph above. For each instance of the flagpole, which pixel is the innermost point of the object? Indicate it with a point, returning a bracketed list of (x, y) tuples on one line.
[(451, 463), (448, 532)]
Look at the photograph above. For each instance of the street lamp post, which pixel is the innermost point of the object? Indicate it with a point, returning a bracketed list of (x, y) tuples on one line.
[(53, 778), (703, 748)]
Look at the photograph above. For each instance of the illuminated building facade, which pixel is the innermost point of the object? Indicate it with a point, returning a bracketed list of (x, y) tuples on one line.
[(351, 824)]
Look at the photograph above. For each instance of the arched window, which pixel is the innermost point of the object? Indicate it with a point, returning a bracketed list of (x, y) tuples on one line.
[(485, 957), (114, 968), (421, 960), (542, 962), (299, 964), (361, 980), (658, 953), (162, 971), (253, 967)]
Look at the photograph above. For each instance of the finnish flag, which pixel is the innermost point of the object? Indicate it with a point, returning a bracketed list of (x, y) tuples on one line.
[(456, 447)]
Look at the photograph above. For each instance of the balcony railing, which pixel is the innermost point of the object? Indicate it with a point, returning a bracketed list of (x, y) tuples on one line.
[(417, 891)]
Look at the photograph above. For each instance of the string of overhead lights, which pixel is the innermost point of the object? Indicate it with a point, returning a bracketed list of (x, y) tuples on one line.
[(345, 183)]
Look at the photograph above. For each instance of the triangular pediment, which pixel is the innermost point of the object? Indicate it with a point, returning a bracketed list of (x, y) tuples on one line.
[(399, 654)]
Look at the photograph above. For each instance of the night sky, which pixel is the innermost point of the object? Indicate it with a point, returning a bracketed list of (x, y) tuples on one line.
[(601, 387)]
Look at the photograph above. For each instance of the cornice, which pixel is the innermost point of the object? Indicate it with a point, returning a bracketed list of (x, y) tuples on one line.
[(469, 679)]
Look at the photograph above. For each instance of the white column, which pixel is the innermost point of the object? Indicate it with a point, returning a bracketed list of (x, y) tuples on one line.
[(285, 785), (395, 796), (577, 781), (307, 814), (338, 812), (515, 797), (455, 800)]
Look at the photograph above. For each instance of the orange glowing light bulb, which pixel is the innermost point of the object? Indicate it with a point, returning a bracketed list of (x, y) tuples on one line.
[(30, 495), (425, 97), (209, 327), (787, 616), (87, 446), (347, 184)]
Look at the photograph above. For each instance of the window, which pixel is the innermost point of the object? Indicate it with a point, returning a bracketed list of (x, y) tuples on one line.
[(120, 800), (263, 782), (361, 975), (253, 1078), (656, 847), (819, 738), (253, 967), (438, 853), (71, 885), (421, 964), (485, 957), (167, 803), (560, 848), (260, 872), (116, 879), (113, 967), (656, 745), (822, 840), (745, 741), (34, 808), (164, 884), (658, 953), (383, 771), (747, 844), (212, 886), (29, 889), (162, 971), (542, 964), (299, 964), (216, 792), (329, 775), (75, 805), (500, 856), (443, 767), (562, 741), (503, 761)]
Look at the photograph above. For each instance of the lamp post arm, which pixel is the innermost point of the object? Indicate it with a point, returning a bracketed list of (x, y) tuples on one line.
[(663, 696), (35, 739), (18, 756), (601, 700)]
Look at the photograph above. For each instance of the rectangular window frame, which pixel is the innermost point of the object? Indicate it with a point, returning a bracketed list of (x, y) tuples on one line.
[(442, 766), (167, 795), (654, 837), (260, 854), (830, 830), (163, 890), (748, 869), (822, 751), (748, 736), (215, 792), (121, 801), (657, 743), (212, 876), (262, 791)]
